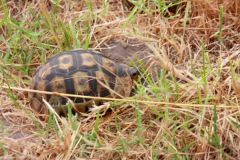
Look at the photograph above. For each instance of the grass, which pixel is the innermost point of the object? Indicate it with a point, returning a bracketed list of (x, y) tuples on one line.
[(195, 109)]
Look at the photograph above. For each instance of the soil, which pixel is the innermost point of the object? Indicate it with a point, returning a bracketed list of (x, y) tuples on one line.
[(125, 52)]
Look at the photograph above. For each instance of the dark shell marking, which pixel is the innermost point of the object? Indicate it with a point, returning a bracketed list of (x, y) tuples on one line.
[(83, 73)]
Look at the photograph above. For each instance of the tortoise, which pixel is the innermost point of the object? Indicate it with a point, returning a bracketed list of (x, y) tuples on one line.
[(81, 72)]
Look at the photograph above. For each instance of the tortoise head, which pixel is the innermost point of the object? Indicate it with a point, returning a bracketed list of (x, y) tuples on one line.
[(133, 72)]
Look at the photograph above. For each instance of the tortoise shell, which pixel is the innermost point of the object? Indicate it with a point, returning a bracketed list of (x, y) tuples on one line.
[(83, 73)]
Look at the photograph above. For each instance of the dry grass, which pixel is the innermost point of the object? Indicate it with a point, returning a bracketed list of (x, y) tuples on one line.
[(195, 42)]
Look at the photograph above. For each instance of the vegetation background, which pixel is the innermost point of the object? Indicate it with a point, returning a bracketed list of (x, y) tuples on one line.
[(193, 40)]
